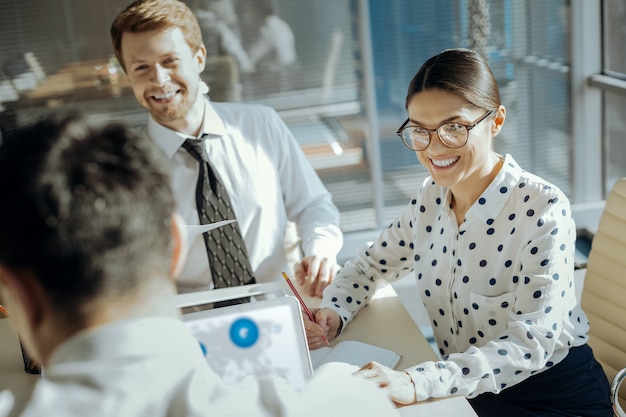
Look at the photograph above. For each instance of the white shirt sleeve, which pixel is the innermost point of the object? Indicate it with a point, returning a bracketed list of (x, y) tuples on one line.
[(307, 201)]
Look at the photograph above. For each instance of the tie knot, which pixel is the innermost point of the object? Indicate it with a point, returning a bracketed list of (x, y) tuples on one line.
[(195, 147)]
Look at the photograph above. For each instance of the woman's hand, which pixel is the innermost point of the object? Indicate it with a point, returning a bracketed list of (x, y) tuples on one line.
[(398, 384), (328, 323)]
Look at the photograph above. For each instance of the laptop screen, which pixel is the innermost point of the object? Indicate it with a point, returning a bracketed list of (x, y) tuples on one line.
[(257, 338)]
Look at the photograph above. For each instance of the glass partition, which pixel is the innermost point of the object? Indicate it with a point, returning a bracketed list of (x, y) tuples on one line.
[(614, 34), (615, 101), (305, 59), (527, 45)]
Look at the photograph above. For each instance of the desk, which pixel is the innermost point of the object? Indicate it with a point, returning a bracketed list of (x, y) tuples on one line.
[(384, 322)]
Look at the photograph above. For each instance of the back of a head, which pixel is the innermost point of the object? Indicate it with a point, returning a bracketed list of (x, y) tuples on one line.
[(87, 209), (462, 72), (147, 15)]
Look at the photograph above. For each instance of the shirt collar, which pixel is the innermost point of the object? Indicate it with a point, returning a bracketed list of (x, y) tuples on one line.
[(498, 192), (169, 140)]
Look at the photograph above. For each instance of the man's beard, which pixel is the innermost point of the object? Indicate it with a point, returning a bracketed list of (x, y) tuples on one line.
[(175, 111)]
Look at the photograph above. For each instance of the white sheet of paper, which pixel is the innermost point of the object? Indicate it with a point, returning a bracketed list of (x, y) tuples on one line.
[(354, 353), (451, 406), (195, 230)]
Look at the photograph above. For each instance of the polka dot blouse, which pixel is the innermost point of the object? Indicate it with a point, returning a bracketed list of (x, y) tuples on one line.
[(498, 289)]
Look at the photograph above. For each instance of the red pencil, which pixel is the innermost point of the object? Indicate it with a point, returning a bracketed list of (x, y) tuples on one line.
[(304, 307)]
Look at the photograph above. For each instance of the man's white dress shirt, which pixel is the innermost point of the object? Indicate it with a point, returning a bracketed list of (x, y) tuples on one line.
[(269, 181), (147, 367), (153, 367)]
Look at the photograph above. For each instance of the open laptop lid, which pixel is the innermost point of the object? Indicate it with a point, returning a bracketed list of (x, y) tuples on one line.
[(257, 338)]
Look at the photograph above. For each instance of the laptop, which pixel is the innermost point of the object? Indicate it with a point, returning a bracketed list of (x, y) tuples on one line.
[(263, 337)]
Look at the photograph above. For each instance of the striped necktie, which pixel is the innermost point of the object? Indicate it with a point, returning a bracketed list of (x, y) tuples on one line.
[(228, 257)]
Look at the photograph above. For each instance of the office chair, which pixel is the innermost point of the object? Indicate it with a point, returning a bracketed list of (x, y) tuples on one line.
[(604, 293)]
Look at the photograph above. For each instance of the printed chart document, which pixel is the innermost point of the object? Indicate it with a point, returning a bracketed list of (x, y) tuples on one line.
[(354, 353)]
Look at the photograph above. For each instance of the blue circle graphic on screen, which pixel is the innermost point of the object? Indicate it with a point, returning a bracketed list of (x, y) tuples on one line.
[(244, 332)]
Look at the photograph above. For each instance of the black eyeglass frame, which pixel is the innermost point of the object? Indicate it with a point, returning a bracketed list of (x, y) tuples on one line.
[(467, 127)]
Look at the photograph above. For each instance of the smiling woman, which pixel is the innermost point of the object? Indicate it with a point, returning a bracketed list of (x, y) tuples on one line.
[(467, 169), (491, 247)]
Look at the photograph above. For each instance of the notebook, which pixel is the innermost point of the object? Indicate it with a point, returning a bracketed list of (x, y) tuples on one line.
[(354, 353)]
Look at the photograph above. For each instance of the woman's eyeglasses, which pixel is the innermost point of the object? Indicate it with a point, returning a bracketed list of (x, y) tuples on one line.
[(452, 134)]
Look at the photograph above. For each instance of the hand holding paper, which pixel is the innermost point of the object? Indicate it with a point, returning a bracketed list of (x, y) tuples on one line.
[(398, 384), (355, 353)]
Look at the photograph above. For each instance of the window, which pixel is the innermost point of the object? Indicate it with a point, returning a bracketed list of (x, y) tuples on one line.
[(339, 75), (614, 66), (615, 128), (614, 32), (527, 44), (609, 82)]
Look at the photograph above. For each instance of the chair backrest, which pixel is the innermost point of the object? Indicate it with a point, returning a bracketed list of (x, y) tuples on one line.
[(604, 291)]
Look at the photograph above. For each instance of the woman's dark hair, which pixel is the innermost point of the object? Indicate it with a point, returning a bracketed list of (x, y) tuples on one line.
[(462, 72)]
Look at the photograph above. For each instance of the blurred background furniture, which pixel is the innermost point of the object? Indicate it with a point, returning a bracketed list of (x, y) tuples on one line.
[(97, 87), (24, 71), (604, 291), (222, 76)]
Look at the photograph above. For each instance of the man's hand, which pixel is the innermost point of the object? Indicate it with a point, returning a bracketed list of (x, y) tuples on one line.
[(398, 384), (315, 273), (328, 323)]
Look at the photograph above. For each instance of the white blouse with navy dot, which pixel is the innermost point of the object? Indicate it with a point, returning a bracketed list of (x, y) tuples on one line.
[(498, 289)]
